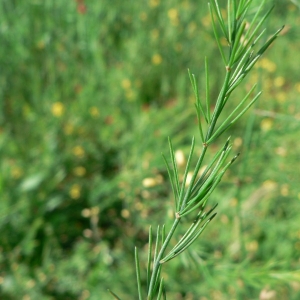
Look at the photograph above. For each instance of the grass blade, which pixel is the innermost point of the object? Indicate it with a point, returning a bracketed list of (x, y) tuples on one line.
[(150, 243), (138, 273), (217, 35), (174, 164), (113, 294), (207, 96)]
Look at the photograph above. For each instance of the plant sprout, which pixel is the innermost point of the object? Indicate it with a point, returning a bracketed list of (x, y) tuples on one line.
[(239, 57)]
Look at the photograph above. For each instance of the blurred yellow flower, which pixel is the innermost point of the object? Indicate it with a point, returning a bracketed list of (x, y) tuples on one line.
[(57, 109), (267, 65), (179, 158), (95, 211), (237, 142), (94, 111), (188, 178), (156, 59), (78, 151), (79, 171), (269, 184), (281, 151), (125, 213), (206, 20), (173, 13), (126, 84), (285, 190), (234, 202), (86, 213), (281, 97), (297, 86), (154, 3), (279, 81), (266, 124), (149, 182), (252, 246), (173, 16), (75, 191), (16, 172)]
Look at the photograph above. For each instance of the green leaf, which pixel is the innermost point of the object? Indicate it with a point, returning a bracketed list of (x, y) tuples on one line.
[(138, 273), (217, 35), (150, 243), (113, 294), (207, 96)]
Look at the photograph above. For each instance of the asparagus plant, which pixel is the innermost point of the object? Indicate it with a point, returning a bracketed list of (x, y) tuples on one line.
[(239, 57)]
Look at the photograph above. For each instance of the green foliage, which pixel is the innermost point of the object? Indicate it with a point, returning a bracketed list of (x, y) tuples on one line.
[(89, 92)]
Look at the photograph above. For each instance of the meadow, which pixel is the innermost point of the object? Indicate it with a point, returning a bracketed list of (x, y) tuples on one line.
[(89, 93)]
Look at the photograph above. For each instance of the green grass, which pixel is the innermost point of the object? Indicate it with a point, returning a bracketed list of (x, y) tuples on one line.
[(87, 103)]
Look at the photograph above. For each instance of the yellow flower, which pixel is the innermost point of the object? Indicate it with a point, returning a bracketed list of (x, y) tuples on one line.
[(94, 111), (78, 151), (57, 109), (16, 172), (126, 84), (206, 20), (156, 59), (79, 171), (266, 124), (252, 246), (267, 65), (75, 191), (180, 158), (279, 81), (285, 190), (173, 13), (269, 184), (153, 3), (281, 97), (297, 86), (86, 212), (281, 151), (149, 182), (173, 16), (125, 213)]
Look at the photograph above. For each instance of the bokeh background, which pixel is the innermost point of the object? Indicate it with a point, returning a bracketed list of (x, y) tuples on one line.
[(89, 93)]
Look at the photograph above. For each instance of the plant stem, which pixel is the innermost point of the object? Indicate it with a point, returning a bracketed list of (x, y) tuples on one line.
[(157, 263)]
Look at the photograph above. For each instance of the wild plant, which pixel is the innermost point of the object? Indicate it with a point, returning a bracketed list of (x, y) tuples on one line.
[(241, 28)]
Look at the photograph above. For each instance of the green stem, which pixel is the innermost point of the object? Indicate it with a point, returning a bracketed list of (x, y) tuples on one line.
[(219, 105), (157, 263)]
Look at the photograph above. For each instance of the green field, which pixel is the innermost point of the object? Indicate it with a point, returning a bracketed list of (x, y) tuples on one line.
[(89, 93)]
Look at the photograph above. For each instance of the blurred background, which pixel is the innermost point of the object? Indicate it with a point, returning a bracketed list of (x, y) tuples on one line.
[(89, 93)]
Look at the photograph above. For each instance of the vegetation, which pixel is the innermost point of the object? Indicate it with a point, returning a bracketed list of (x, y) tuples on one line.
[(90, 93)]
